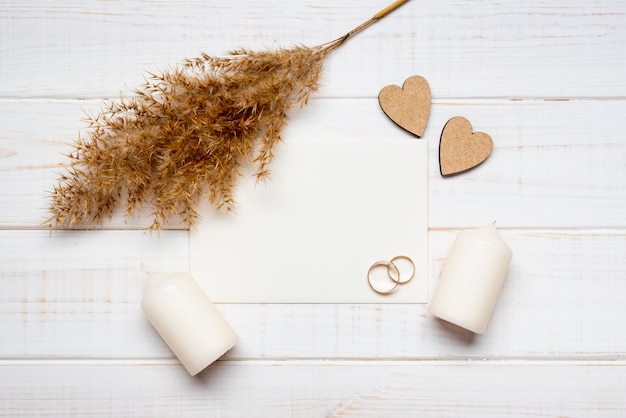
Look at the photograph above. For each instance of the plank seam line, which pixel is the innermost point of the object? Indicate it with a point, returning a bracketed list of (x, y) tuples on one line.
[(593, 362)]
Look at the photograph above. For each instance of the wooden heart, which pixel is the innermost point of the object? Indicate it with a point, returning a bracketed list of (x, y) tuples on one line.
[(461, 149), (409, 106)]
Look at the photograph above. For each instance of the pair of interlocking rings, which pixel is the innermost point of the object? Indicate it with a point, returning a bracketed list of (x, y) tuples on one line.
[(393, 272)]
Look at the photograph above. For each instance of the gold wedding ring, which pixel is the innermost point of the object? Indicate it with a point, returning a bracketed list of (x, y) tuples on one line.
[(390, 267), (403, 257), (393, 272)]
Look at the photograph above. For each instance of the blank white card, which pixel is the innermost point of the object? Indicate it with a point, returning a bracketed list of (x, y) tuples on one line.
[(331, 209)]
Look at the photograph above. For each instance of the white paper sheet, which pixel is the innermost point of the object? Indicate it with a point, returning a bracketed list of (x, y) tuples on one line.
[(309, 235)]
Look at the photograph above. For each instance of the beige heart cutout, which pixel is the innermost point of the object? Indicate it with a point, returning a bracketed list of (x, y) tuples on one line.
[(461, 149), (409, 106)]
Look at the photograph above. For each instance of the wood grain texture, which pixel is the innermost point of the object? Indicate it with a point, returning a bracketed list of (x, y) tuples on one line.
[(468, 49), (551, 166), (74, 304), (316, 389), (544, 79)]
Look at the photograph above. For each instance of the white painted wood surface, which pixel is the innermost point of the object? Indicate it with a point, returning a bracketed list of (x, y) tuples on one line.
[(545, 79)]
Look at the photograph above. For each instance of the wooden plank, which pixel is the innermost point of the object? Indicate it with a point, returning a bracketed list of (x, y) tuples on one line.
[(522, 49), (551, 167), (77, 295), (314, 389)]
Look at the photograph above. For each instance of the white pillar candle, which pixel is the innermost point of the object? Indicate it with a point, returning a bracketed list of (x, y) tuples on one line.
[(187, 320), (472, 279)]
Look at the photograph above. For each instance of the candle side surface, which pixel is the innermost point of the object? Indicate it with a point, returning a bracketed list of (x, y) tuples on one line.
[(187, 320), (472, 278)]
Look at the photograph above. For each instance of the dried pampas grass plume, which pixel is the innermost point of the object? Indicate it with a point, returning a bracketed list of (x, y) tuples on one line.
[(186, 133)]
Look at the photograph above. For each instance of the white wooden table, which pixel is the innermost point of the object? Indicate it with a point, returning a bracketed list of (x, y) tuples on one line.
[(545, 79)]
